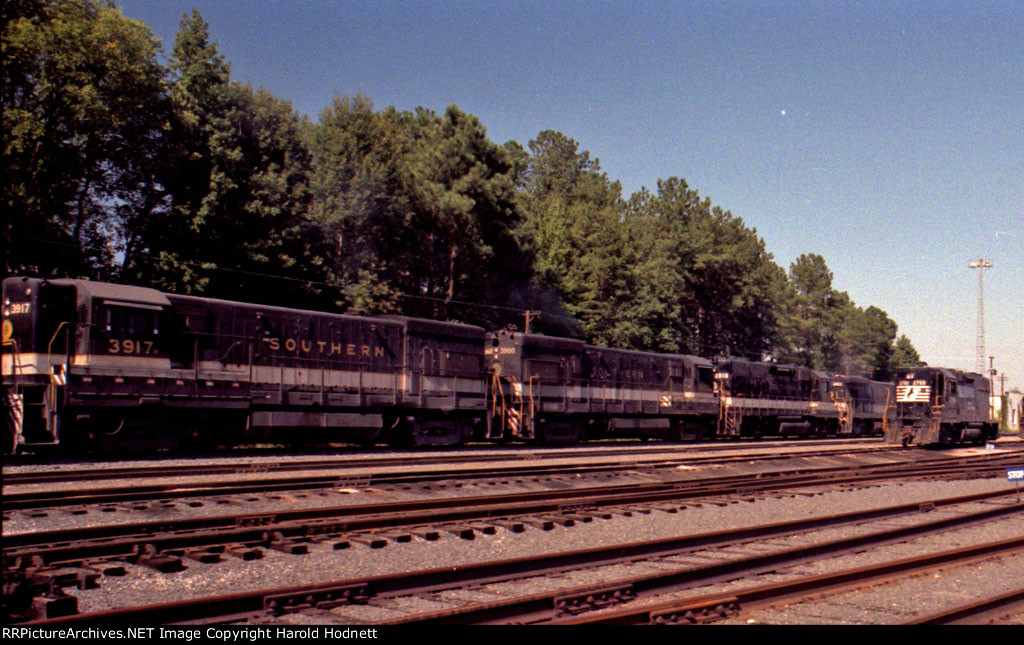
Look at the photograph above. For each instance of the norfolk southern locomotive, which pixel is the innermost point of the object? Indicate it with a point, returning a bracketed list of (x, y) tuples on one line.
[(935, 405), (91, 364)]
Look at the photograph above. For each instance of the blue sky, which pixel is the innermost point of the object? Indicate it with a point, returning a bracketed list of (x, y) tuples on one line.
[(886, 136)]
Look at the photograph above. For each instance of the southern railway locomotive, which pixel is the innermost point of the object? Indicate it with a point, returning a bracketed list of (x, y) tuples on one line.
[(935, 405), (101, 363), (93, 365)]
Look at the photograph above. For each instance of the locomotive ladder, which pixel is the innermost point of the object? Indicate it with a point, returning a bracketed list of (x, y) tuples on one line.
[(515, 415), (935, 423), (889, 405), (524, 411), (499, 409), (844, 410), (729, 417)]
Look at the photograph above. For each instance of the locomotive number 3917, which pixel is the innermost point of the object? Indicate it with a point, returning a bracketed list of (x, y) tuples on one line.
[(128, 346)]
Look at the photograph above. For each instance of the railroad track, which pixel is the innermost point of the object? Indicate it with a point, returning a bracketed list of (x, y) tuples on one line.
[(715, 607), (561, 505), (258, 480), (671, 565), (45, 562), (412, 468), (997, 608)]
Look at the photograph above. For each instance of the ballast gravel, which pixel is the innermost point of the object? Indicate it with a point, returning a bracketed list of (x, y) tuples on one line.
[(322, 564)]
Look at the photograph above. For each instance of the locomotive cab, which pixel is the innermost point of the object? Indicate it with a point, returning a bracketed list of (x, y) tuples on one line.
[(39, 319), (536, 383), (67, 344)]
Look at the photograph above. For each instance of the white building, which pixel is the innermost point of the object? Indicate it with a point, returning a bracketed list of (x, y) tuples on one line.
[(1015, 401)]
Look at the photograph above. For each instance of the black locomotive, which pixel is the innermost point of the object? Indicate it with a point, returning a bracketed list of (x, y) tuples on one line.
[(93, 362), (556, 389), (936, 405), (96, 364)]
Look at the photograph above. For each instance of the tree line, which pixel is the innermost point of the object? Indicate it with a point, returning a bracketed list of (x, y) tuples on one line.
[(120, 168)]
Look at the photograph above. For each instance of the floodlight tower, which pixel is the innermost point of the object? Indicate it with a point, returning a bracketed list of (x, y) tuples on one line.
[(980, 264)]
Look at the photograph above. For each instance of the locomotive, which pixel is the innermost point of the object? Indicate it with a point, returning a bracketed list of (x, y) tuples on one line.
[(94, 365), (557, 389), (936, 405), (109, 364)]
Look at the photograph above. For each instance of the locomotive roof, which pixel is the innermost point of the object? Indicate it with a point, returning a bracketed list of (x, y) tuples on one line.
[(948, 372), (742, 364), (116, 292), (541, 341), (260, 308), (860, 379), (427, 326), (415, 325), (633, 352)]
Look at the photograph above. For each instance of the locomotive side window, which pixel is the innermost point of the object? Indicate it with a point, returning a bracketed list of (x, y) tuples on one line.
[(705, 378), (125, 321), (965, 390), (130, 330)]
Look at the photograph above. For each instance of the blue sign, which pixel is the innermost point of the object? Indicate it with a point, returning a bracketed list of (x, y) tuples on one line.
[(1015, 474)]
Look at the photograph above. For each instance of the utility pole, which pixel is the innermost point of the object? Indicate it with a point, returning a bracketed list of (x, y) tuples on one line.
[(979, 348), (992, 388)]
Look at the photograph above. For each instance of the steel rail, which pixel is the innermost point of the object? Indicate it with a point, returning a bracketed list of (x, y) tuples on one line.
[(546, 606), (47, 499), (135, 492), (532, 453), (711, 607), (124, 540), (549, 606), (971, 612), (128, 539)]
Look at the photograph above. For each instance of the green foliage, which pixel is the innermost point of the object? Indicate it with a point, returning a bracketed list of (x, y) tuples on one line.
[(83, 111), (573, 216), (822, 328), (237, 177), (814, 317), (903, 355), (705, 278), (419, 210)]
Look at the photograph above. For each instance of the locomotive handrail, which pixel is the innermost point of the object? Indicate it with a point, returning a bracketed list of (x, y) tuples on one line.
[(15, 362), (67, 356), (49, 346), (530, 383)]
